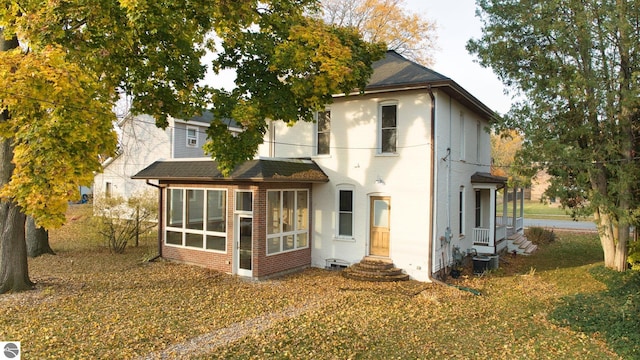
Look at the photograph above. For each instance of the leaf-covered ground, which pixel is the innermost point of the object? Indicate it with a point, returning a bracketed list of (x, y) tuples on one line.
[(91, 304)]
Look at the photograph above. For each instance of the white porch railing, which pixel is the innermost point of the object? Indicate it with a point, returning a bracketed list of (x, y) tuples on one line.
[(481, 236), (501, 232), (519, 223)]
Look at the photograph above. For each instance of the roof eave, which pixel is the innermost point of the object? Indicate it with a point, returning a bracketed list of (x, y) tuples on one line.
[(448, 86)]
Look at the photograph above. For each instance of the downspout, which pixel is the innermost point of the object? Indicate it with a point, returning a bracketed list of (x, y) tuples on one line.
[(160, 212), (432, 184)]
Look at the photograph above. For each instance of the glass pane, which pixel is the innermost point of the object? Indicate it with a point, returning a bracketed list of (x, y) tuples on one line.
[(273, 245), (246, 243), (288, 207), (302, 213), (195, 208), (174, 238), (346, 200), (273, 212), (174, 208), (288, 243), (324, 121), (301, 240), (216, 243), (194, 240), (345, 226), (243, 201), (389, 116), (323, 143), (216, 210), (388, 140), (380, 213)]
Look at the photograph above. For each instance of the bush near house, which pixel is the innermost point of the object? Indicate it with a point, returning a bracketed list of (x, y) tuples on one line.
[(540, 236), (120, 221), (89, 303)]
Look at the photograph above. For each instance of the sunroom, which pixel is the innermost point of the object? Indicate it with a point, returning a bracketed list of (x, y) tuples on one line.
[(253, 223)]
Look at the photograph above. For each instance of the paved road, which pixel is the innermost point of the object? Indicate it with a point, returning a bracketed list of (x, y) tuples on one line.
[(560, 224)]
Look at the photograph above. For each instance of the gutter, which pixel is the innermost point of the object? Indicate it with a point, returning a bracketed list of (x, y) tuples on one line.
[(432, 185), (160, 212)]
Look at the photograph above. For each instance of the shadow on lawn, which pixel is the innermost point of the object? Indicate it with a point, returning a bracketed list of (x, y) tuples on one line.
[(613, 313)]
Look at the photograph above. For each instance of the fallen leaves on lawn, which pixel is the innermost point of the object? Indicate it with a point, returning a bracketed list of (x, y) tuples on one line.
[(90, 304)]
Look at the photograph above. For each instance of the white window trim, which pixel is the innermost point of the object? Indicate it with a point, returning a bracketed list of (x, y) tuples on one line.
[(381, 104), (235, 203), (337, 236), (191, 141), (294, 232), (184, 230), (315, 134), (463, 138), (462, 200), (478, 140)]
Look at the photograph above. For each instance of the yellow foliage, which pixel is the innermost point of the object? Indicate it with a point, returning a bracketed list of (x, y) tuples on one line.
[(60, 121)]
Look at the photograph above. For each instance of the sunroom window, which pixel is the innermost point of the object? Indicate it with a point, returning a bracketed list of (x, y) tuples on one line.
[(287, 220), (196, 218)]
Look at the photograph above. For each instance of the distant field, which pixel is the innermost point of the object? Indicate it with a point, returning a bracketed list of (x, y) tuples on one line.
[(538, 210)]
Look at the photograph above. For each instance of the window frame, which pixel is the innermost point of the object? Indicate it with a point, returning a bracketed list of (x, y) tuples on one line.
[(318, 132), (478, 209), (461, 203), (193, 137), (339, 212), (381, 128), (463, 138), (183, 230), (297, 229)]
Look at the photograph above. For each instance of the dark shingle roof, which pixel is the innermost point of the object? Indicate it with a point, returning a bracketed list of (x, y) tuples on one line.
[(487, 178), (394, 72), (264, 170)]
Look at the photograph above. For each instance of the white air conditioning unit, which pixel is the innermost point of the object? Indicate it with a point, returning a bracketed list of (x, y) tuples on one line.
[(192, 142)]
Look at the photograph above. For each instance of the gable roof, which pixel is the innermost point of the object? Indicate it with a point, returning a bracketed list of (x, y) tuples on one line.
[(394, 72), (260, 170)]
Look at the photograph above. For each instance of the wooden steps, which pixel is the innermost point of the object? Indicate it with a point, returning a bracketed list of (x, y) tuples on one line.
[(375, 270), (518, 242)]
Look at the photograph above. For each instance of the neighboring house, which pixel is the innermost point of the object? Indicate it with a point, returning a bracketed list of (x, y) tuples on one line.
[(141, 143), (400, 172)]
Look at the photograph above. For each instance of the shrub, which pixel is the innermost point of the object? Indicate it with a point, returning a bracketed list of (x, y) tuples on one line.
[(120, 221), (540, 236)]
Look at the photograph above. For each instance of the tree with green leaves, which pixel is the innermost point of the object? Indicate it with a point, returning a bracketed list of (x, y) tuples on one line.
[(66, 63), (576, 66)]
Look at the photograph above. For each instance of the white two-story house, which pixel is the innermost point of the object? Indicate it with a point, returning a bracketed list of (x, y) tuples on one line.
[(399, 172), (141, 142)]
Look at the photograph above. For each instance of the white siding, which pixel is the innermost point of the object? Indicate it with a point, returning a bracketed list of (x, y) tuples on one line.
[(354, 160), (141, 144)]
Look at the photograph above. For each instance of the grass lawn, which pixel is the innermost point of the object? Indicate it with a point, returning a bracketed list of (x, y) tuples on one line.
[(538, 210), (90, 304)]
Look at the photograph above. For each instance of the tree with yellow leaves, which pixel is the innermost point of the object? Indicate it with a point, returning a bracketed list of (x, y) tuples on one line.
[(389, 21), (63, 65)]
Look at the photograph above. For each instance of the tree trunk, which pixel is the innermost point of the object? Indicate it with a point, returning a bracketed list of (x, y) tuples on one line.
[(14, 272), (37, 239)]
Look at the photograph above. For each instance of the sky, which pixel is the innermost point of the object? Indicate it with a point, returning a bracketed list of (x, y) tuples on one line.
[(456, 24)]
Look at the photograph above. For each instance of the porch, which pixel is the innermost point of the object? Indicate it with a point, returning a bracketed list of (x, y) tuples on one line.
[(492, 233)]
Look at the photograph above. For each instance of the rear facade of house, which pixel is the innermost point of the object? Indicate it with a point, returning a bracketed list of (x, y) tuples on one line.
[(391, 173)]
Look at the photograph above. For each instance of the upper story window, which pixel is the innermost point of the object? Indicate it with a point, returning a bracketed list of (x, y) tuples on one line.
[(323, 132), (478, 140), (388, 128), (192, 136), (463, 139)]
